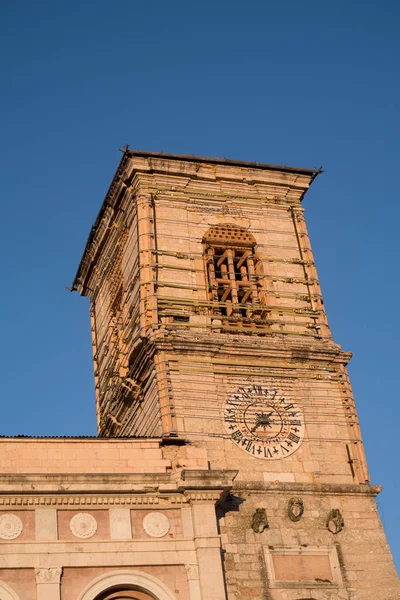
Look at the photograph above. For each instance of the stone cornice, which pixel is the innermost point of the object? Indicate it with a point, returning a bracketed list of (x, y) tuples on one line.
[(206, 480), (246, 185), (165, 156), (201, 198), (327, 489), (111, 490), (203, 496), (278, 349), (86, 482), (206, 486)]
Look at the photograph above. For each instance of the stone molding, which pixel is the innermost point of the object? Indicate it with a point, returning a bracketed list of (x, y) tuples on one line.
[(206, 486), (201, 478), (181, 196), (136, 482), (202, 496), (135, 553), (137, 489), (103, 501), (48, 575), (262, 348), (326, 489), (133, 579), (251, 487)]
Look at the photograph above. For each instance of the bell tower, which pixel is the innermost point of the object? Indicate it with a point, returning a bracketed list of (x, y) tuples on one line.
[(209, 330)]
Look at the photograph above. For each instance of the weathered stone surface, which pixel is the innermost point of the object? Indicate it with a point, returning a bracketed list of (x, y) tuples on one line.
[(46, 524), (229, 462)]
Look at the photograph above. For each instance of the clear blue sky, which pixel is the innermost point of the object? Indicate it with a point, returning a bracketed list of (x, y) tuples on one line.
[(299, 83)]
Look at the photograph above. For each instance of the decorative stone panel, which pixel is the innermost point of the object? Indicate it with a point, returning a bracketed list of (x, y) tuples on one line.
[(303, 567), (46, 524), (120, 524), (10, 526), (83, 525), (156, 524)]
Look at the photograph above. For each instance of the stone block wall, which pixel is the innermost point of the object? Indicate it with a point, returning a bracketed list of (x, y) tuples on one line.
[(148, 525), (91, 455), (287, 560)]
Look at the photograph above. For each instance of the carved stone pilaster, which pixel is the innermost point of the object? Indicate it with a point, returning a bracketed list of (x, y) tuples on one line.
[(48, 583), (192, 572), (193, 576), (48, 575)]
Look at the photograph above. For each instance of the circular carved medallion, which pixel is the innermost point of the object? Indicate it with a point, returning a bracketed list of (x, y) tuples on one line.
[(10, 526), (156, 524), (83, 525), (263, 422)]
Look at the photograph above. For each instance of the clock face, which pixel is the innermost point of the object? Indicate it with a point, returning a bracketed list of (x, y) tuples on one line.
[(263, 422)]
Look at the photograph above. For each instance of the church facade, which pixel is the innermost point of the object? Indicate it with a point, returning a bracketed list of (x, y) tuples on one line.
[(229, 462)]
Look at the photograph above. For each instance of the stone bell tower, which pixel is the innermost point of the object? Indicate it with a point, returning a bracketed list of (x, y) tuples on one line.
[(209, 332)]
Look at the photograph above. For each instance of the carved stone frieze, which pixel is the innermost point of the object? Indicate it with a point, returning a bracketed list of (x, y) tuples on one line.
[(103, 501), (48, 575), (202, 496)]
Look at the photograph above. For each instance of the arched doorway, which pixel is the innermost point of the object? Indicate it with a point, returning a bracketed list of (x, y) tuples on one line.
[(126, 585), (6, 593), (124, 594)]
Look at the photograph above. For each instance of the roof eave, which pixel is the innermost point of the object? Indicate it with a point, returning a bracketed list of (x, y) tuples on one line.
[(226, 161)]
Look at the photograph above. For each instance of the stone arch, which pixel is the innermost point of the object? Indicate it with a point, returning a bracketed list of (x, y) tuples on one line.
[(125, 595), (128, 580), (229, 234), (6, 593)]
